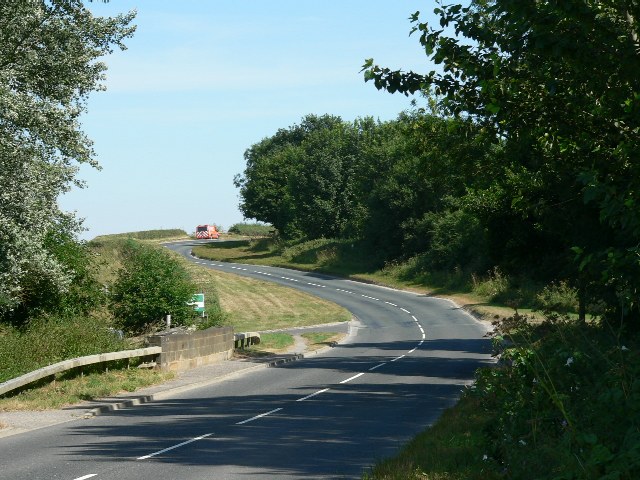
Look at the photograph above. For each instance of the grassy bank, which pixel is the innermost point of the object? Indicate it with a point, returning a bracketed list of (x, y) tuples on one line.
[(489, 297)]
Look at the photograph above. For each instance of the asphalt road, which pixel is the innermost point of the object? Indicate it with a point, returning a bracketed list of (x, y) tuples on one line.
[(330, 416)]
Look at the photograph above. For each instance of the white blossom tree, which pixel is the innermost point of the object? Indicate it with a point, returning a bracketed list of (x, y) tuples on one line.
[(49, 51)]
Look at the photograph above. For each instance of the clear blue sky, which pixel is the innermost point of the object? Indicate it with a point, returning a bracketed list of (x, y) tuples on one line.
[(203, 80)]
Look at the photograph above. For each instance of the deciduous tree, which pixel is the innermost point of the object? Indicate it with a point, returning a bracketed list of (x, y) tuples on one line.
[(49, 64)]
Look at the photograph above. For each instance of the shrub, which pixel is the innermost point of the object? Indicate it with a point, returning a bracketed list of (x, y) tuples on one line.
[(564, 401), (149, 286), (252, 229), (449, 239), (558, 297), (493, 287), (48, 340)]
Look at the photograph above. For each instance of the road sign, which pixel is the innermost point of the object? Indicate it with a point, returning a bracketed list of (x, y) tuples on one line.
[(197, 301)]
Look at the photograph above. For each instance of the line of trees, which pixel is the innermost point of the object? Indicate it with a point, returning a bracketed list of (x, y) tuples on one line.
[(527, 160)]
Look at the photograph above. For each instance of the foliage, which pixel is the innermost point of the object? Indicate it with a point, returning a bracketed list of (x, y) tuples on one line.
[(493, 286), (49, 65), (564, 401), (556, 84), (150, 285), (40, 294), (558, 297), (254, 229), (452, 239), (48, 340), (303, 180)]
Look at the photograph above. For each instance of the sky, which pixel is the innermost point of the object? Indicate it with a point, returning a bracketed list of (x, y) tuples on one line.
[(203, 80)]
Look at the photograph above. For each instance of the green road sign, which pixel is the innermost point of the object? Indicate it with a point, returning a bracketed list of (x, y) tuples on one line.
[(197, 301)]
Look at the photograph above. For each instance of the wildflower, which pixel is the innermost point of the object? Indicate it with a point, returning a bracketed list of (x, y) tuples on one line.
[(569, 361), (523, 443), (485, 457), (624, 349)]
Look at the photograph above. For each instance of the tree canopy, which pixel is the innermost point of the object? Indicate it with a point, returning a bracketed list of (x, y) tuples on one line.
[(558, 85), (49, 64)]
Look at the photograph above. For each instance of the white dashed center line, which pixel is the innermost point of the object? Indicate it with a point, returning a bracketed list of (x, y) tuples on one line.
[(259, 416), (175, 446), (352, 378), (312, 395)]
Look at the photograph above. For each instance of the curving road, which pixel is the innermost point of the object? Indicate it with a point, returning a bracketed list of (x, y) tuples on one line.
[(329, 416)]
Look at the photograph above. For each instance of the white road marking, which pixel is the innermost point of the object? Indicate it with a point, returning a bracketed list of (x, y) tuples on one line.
[(86, 476), (352, 378), (175, 446), (397, 358), (377, 366), (392, 304), (312, 395), (413, 350), (405, 310), (259, 416)]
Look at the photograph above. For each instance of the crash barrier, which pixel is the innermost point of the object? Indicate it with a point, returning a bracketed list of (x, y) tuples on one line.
[(246, 339), (184, 350), (65, 365)]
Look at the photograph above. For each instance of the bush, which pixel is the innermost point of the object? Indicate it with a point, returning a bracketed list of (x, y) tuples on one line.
[(564, 401), (493, 287), (48, 340), (558, 297), (449, 239), (149, 286), (252, 229)]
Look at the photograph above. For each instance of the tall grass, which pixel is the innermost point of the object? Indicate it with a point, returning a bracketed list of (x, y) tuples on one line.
[(50, 340)]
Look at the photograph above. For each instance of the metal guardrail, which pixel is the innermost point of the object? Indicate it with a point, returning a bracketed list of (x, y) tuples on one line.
[(65, 365)]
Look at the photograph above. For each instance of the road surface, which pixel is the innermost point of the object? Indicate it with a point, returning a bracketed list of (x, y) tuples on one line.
[(329, 416)]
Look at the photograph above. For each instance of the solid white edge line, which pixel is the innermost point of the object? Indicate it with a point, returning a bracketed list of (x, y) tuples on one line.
[(377, 366), (312, 395), (86, 476), (352, 378), (259, 416), (175, 446)]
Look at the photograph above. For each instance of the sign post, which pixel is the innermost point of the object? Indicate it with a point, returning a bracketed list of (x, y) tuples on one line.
[(197, 301)]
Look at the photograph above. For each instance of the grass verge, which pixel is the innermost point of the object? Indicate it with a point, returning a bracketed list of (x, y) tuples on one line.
[(452, 449), (69, 388), (318, 340), (343, 258)]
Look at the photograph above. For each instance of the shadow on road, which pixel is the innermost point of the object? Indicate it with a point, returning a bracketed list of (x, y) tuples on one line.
[(336, 434)]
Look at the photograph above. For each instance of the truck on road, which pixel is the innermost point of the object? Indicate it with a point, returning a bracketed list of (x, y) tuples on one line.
[(206, 232)]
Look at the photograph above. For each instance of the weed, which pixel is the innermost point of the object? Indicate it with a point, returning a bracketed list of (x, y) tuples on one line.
[(492, 287)]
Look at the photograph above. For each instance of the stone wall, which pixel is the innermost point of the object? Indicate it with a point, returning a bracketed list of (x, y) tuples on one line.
[(182, 351)]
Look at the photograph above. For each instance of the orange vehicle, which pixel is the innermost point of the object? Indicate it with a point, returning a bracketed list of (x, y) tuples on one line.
[(204, 232)]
